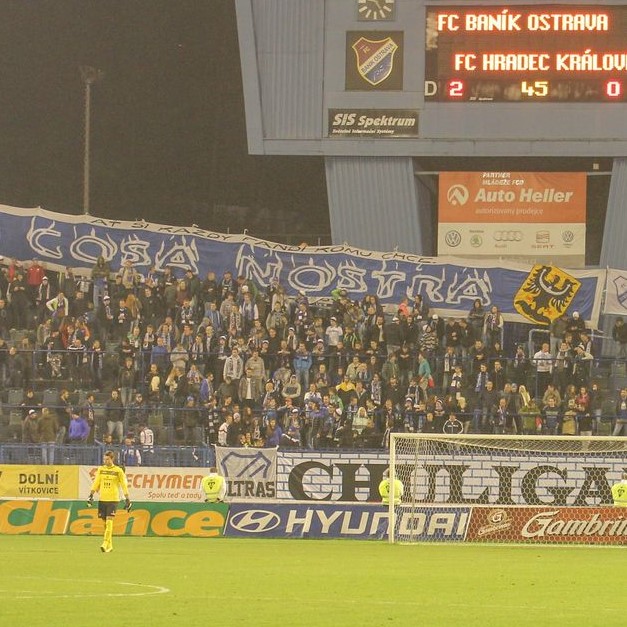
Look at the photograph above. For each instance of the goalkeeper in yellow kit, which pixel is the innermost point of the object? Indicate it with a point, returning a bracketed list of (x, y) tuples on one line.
[(109, 479)]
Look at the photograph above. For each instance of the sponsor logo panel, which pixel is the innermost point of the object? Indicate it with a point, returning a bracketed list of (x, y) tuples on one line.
[(39, 482), (432, 524), (155, 484), (542, 525), (517, 214), (198, 520), (517, 197), (373, 123), (516, 239), (338, 520)]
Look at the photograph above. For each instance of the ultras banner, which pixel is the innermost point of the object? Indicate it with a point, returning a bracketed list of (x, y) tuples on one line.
[(250, 473), (449, 284)]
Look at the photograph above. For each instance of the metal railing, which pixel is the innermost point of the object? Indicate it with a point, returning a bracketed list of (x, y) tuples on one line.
[(91, 455)]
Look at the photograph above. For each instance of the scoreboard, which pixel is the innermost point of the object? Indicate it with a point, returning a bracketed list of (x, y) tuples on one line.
[(526, 53), (436, 78), (384, 90)]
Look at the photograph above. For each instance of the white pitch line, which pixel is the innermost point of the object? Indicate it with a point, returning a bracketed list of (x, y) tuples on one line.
[(150, 591), (421, 604)]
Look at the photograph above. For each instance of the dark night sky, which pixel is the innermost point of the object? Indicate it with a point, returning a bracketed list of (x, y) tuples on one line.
[(168, 132)]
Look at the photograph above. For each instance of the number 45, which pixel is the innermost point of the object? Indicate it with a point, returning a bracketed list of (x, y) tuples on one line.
[(537, 88)]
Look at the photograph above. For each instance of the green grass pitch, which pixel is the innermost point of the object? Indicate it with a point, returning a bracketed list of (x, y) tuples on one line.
[(155, 582)]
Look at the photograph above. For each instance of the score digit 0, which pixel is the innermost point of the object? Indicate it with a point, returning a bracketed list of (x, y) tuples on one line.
[(613, 89)]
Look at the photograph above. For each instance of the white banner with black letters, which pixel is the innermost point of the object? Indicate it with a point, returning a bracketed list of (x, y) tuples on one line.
[(250, 472)]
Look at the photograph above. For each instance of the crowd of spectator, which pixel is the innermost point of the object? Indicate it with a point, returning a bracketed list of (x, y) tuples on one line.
[(230, 363)]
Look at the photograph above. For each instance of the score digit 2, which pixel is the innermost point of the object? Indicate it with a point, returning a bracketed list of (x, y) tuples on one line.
[(456, 89)]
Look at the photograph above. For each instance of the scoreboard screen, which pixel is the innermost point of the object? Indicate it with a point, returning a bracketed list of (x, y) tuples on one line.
[(525, 53)]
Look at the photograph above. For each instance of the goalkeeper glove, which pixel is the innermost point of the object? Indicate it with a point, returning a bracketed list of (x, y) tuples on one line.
[(128, 504), (90, 500)]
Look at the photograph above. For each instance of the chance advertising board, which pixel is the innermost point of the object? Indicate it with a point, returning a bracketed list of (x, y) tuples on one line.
[(198, 520)]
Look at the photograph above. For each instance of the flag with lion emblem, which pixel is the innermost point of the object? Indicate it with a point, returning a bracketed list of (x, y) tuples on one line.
[(545, 294)]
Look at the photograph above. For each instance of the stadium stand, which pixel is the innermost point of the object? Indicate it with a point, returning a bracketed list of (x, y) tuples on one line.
[(180, 363)]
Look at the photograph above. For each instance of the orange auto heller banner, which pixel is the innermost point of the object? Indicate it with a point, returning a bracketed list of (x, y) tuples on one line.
[(531, 215)]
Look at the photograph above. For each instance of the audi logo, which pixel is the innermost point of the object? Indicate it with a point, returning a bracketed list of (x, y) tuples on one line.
[(453, 239), (457, 195), (568, 237), (508, 236), (255, 521)]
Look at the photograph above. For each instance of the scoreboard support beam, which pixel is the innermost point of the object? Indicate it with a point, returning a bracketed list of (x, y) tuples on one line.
[(613, 249), (374, 204)]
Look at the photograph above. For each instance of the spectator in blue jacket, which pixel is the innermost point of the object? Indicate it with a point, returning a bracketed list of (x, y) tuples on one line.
[(273, 433), (302, 364), (79, 429)]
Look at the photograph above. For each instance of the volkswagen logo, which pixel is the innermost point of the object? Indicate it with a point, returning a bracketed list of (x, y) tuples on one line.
[(568, 237), (255, 521), (508, 236), (453, 239), (457, 195)]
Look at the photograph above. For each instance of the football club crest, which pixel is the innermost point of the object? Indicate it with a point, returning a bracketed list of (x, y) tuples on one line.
[(620, 283), (375, 59), (546, 294)]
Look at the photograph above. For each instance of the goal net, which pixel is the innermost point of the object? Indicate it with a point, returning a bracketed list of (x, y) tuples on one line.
[(533, 489)]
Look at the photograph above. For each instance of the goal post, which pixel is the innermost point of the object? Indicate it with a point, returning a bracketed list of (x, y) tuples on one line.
[(503, 488)]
